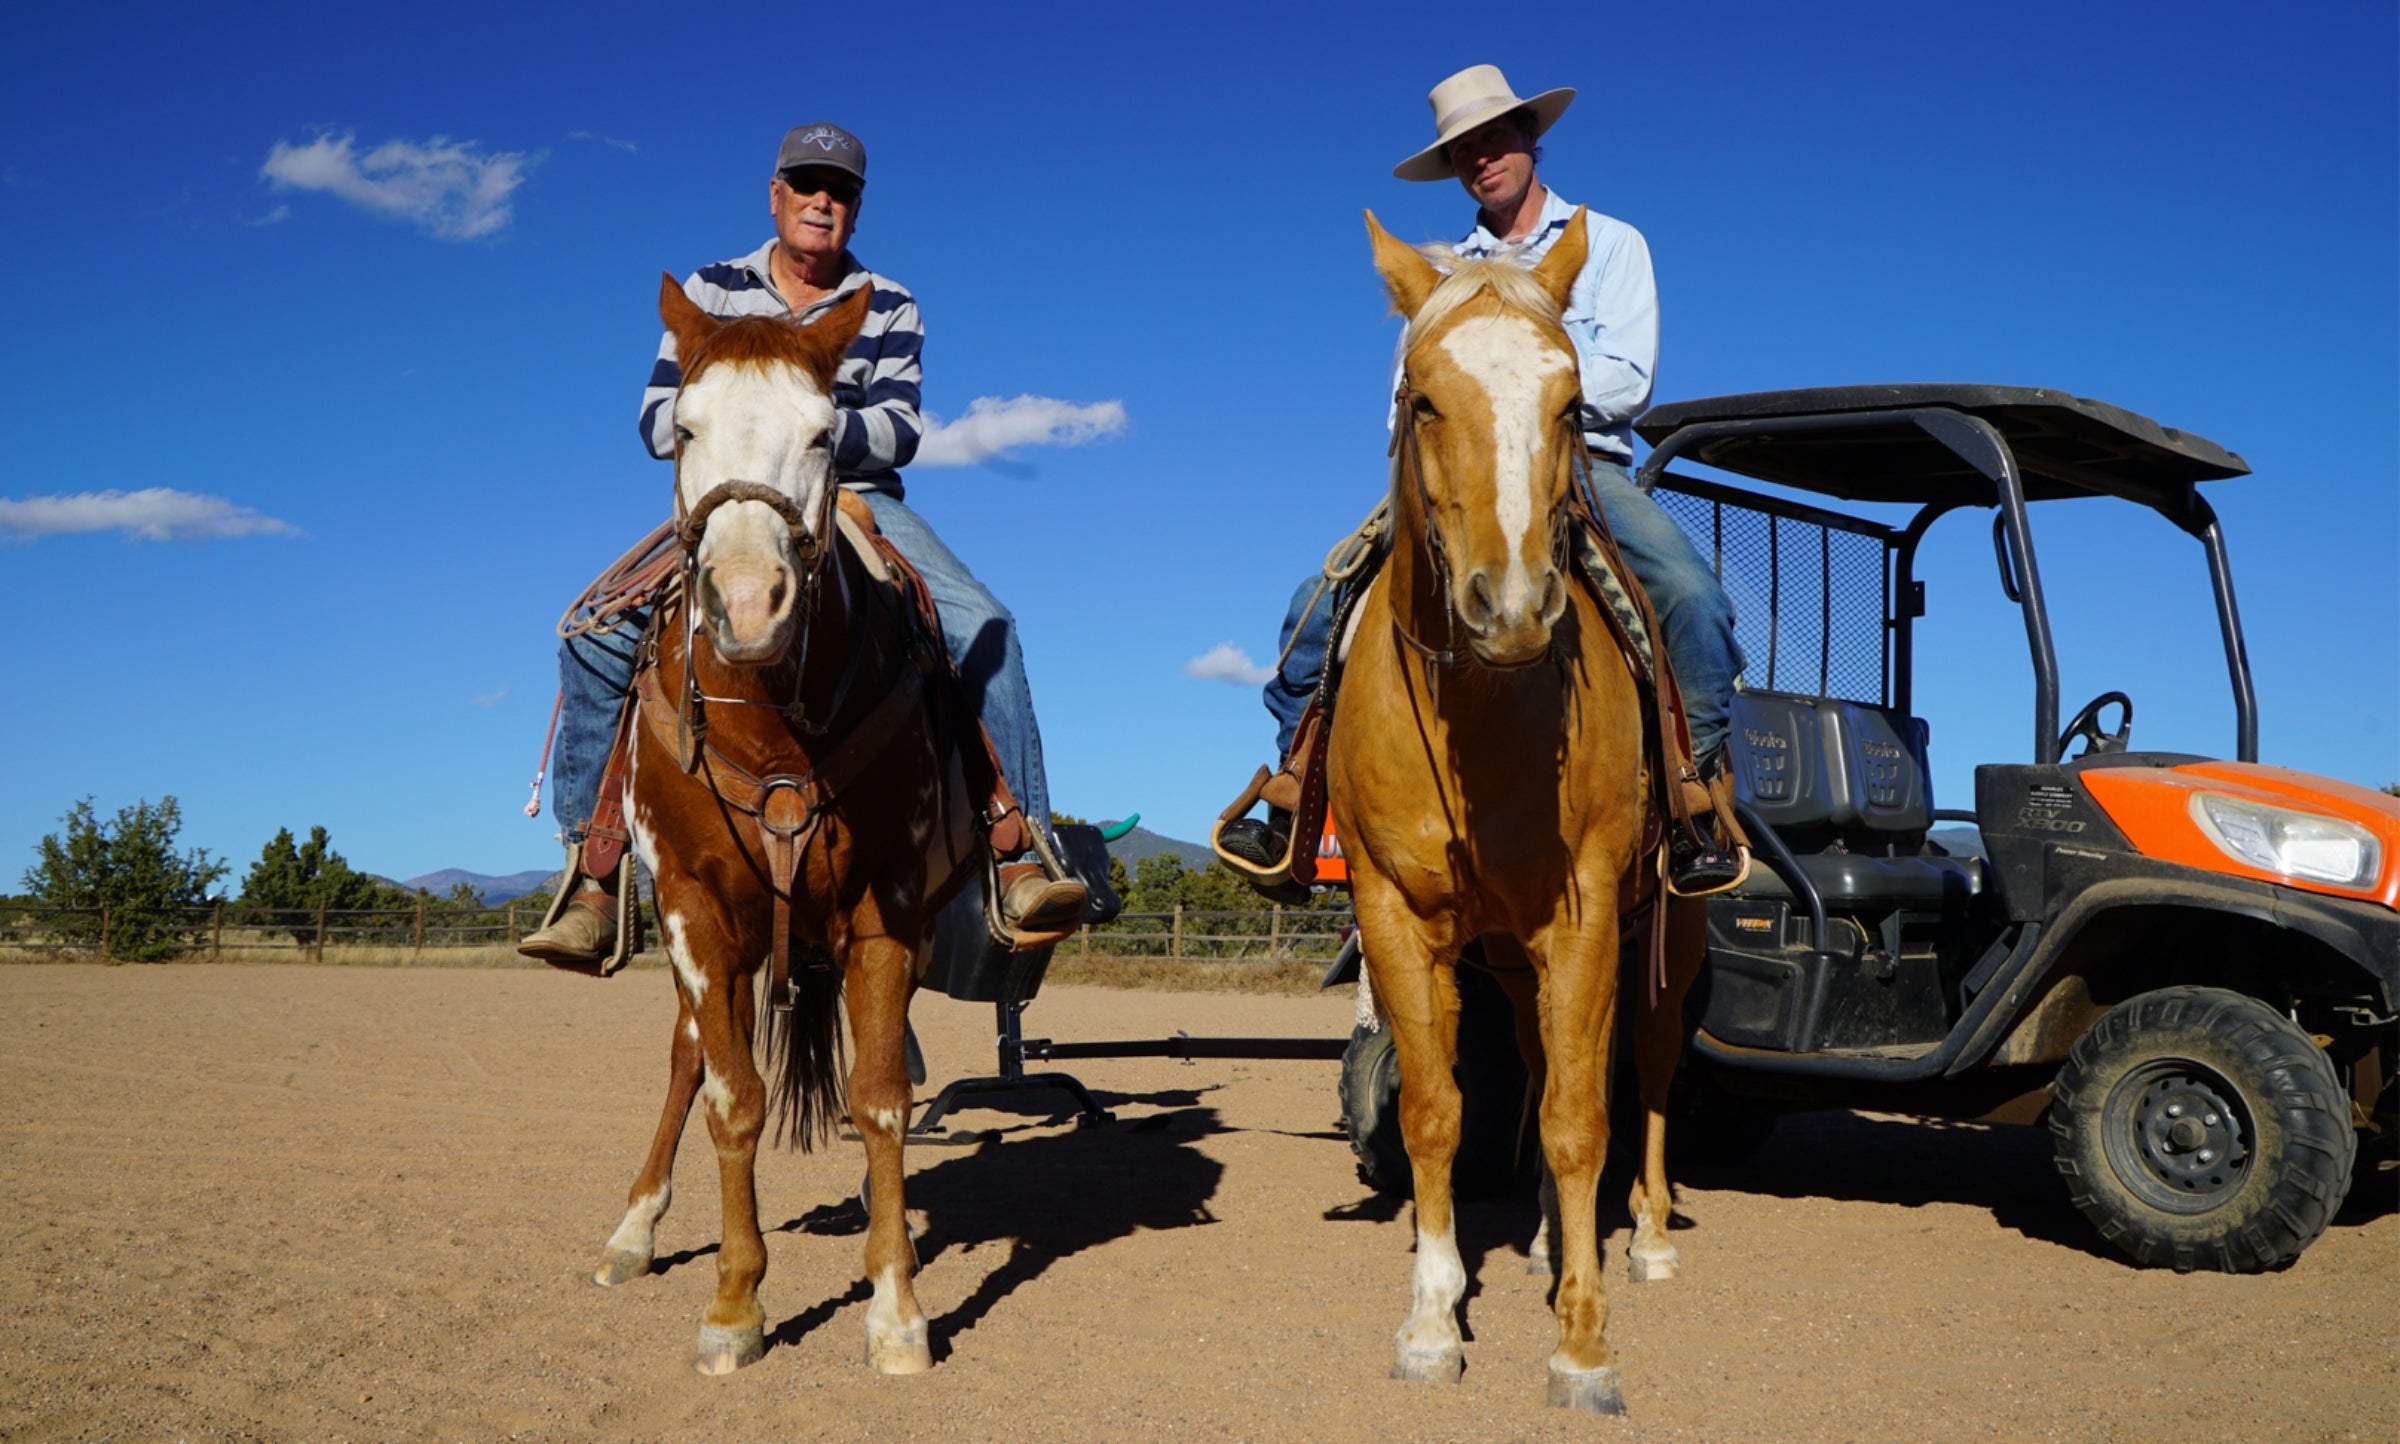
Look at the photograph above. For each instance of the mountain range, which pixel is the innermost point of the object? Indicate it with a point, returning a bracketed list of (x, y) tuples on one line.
[(1129, 849)]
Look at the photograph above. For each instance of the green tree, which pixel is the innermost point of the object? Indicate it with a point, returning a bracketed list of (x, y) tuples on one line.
[(291, 878), (129, 866)]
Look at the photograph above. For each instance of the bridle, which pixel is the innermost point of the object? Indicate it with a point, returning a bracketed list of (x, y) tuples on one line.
[(1408, 460), (814, 547)]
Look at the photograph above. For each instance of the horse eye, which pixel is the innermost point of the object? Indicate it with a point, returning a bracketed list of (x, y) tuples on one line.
[(683, 433), (825, 437), (1423, 406)]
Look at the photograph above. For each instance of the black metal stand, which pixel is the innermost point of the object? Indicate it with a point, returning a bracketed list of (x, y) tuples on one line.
[(1012, 1077)]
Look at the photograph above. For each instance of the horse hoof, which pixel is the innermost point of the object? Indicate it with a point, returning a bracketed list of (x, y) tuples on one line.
[(1594, 1391), (907, 1352), (620, 1266), (724, 1350), (1439, 1366), (1651, 1270), (1538, 1265)]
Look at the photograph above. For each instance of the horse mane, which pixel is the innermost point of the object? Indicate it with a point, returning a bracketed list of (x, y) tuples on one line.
[(1507, 275), (751, 340)]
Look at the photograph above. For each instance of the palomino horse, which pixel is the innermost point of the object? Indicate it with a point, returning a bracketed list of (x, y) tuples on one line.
[(1496, 788), (795, 774)]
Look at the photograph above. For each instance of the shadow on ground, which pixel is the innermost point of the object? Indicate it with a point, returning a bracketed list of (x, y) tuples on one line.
[(1045, 1196)]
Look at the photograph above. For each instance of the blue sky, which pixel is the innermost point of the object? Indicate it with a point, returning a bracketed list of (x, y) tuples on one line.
[(424, 419)]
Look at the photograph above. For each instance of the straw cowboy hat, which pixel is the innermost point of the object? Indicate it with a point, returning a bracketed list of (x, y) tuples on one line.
[(1465, 101)]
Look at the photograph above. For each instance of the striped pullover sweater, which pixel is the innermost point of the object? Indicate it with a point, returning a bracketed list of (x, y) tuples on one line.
[(875, 394)]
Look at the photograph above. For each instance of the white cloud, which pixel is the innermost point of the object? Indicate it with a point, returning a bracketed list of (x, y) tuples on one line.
[(489, 699), (448, 189), (152, 514), (626, 146), (273, 217), (992, 426), (1228, 663)]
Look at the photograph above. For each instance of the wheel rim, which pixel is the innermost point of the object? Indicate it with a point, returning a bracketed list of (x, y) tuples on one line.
[(2179, 1135)]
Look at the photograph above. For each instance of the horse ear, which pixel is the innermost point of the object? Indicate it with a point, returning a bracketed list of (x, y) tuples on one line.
[(827, 339), (683, 317), (1564, 260), (1409, 277)]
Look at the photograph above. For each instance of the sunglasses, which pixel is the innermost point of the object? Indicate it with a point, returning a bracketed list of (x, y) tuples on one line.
[(842, 190)]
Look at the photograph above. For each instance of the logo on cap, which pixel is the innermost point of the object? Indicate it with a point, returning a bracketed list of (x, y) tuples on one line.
[(825, 138)]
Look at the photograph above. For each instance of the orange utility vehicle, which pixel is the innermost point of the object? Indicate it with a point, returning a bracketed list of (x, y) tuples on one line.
[(2189, 969)]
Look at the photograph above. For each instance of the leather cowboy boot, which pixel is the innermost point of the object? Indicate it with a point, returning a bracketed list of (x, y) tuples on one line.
[(1032, 901), (583, 936), (1265, 844), (1696, 867)]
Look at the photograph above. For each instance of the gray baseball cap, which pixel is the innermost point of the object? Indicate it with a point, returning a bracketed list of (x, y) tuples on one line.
[(822, 144)]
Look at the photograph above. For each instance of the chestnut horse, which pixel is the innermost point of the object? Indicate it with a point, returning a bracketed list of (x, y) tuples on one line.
[(795, 778), (1487, 780)]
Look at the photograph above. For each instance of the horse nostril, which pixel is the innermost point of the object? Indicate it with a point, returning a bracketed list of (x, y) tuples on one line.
[(1480, 607), (1554, 595)]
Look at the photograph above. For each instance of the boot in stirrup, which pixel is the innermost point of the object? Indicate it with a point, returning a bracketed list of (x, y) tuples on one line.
[(580, 934), (1698, 865)]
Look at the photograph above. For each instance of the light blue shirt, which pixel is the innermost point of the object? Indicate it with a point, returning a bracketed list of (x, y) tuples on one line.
[(1611, 316)]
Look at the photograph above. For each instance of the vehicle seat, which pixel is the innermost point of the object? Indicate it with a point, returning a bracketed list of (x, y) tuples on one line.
[(1845, 785)]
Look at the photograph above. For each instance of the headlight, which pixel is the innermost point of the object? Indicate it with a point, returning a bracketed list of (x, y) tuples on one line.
[(2295, 844)]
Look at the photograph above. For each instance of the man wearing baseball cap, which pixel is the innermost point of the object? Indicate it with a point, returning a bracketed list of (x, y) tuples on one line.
[(1486, 137), (815, 194)]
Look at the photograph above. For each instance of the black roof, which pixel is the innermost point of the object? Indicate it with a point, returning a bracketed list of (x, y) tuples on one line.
[(2064, 445)]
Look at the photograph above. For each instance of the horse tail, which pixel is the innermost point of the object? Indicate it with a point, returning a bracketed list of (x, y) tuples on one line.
[(804, 1063)]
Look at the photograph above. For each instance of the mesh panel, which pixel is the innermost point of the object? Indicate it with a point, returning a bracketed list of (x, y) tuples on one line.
[(1808, 599)]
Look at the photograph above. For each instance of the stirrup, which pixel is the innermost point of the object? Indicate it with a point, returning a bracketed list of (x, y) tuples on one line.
[(1279, 872), (995, 920), (629, 912)]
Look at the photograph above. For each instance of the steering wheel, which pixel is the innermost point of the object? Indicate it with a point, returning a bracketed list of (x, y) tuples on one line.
[(2086, 725)]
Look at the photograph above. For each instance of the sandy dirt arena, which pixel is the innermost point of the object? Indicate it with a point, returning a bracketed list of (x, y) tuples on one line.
[(286, 1202)]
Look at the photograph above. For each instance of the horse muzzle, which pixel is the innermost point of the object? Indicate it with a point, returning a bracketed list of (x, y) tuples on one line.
[(749, 607), (1509, 615)]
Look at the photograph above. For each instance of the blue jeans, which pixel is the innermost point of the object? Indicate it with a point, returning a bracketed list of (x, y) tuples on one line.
[(595, 672), (1693, 610)]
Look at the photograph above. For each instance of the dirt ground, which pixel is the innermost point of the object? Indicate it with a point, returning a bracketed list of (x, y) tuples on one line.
[(289, 1202)]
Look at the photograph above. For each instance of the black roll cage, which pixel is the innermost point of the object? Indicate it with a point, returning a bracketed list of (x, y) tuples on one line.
[(1977, 442)]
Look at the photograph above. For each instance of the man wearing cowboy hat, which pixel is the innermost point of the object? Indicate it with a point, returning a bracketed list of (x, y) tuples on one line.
[(1486, 138)]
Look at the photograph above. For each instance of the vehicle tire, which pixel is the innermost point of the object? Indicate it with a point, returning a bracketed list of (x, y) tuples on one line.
[(2199, 1128), (1492, 1156)]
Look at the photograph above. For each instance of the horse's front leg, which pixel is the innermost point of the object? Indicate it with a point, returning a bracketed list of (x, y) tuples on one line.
[(632, 1247), (1418, 991), (733, 1330), (1579, 1000), (1658, 1048), (1513, 969), (879, 975)]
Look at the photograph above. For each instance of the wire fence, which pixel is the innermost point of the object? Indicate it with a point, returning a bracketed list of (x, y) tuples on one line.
[(232, 931)]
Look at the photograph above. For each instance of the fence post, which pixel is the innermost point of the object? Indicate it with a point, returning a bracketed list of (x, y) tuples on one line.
[(216, 933), (104, 932), (320, 948), (1275, 935), (1086, 930), (420, 925), (512, 922), (1175, 950)]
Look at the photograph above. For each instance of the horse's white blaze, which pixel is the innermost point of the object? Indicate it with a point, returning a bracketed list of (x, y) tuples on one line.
[(679, 953), (755, 421), (638, 1230), (1510, 358)]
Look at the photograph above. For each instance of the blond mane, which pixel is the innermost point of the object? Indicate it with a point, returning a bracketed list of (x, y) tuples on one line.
[(1507, 275)]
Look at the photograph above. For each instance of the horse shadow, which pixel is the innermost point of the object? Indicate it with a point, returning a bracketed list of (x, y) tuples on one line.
[(1045, 1196)]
